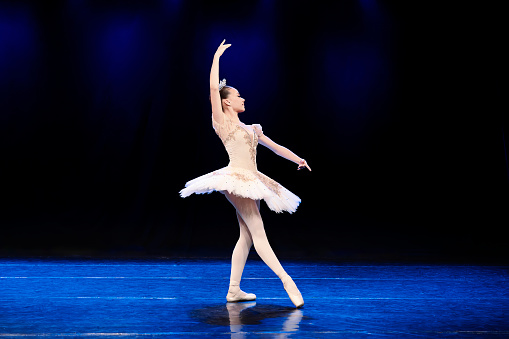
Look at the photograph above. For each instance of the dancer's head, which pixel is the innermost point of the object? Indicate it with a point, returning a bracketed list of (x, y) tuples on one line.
[(230, 97)]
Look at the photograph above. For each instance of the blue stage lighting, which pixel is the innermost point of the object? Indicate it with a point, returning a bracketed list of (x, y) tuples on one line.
[(18, 43)]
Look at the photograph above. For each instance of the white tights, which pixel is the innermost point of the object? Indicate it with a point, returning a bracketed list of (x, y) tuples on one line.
[(252, 232)]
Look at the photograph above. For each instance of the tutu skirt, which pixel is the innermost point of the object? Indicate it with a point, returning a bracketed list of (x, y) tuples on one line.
[(244, 183)]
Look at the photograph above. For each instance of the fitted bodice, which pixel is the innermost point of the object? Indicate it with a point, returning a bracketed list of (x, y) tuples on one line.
[(240, 142)]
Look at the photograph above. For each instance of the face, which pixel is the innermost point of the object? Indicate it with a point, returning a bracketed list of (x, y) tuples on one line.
[(236, 102)]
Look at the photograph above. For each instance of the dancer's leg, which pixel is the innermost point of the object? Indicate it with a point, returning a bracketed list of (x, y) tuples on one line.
[(239, 257), (240, 252), (248, 211)]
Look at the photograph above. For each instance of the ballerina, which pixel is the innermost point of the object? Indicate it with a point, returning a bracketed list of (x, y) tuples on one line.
[(243, 185)]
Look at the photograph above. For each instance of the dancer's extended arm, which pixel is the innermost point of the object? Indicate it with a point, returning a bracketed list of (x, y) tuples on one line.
[(282, 151), (215, 98)]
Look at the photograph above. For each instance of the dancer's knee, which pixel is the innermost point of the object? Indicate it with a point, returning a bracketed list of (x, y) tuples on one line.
[(245, 239), (256, 228)]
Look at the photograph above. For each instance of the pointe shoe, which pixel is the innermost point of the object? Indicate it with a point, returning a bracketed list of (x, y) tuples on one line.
[(293, 291), (239, 296)]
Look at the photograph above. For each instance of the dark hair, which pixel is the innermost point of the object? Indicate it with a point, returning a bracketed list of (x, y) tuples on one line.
[(225, 92)]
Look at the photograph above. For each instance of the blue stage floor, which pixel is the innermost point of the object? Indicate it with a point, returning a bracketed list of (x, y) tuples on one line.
[(186, 298)]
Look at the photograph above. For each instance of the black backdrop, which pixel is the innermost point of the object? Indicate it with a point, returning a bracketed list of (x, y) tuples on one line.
[(397, 107)]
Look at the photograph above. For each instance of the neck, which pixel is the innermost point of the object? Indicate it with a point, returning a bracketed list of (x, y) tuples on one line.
[(234, 116)]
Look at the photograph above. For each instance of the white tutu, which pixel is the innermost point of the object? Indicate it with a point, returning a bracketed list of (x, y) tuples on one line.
[(245, 183)]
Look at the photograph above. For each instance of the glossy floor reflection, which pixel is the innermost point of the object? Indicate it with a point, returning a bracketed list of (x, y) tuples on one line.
[(186, 298)]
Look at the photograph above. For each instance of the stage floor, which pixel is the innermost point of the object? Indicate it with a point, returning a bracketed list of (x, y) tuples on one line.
[(186, 298)]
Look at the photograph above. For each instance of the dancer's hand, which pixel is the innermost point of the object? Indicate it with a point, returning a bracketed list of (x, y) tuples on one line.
[(303, 164), (222, 48)]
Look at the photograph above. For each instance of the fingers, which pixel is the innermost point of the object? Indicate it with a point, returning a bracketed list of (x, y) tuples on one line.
[(222, 47), (302, 165), (222, 44)]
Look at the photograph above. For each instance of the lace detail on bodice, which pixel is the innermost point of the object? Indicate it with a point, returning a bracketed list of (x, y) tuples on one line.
[(253, 142), (240, 142), (225, 129)]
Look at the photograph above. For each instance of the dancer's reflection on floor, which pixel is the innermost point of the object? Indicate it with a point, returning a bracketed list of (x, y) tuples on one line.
[(237, 315), (234, 314)]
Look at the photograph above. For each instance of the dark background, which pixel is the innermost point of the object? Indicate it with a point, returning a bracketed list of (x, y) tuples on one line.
[(396, 106)]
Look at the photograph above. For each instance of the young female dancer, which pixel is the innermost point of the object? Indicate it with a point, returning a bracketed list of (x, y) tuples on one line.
[(243, 185)]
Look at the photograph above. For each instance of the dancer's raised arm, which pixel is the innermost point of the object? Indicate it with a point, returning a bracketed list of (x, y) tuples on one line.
[(215, 98)]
